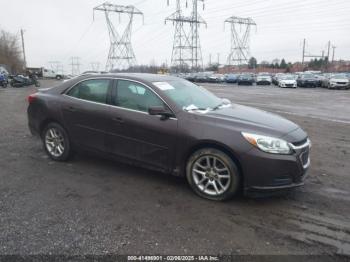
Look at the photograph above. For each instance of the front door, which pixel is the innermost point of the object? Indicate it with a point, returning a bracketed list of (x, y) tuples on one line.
[(135, 134)]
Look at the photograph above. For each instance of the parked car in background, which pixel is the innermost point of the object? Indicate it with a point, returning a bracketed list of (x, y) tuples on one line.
[(215, 78), (275, 78), (287, 81), (201, 77), (263, 79), (241, 148), (190, 77), (307, 80), (245, 79), (336, 81), (320, 78), (231, 78)]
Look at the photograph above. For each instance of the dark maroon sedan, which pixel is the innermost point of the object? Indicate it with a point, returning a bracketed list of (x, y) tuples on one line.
[(171, 125)]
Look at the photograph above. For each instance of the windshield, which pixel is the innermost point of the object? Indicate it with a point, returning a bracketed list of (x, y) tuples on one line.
[(308, 76), (188, 96), (288, 78), (339, 76)]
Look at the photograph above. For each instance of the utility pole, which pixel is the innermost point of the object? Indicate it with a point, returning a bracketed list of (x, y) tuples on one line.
[(75, 65), (333, 47), (23, 49), (303, 57), (239, 53), (218, 56), (210, 59), (121, 54), (311, 55), (328, 50)]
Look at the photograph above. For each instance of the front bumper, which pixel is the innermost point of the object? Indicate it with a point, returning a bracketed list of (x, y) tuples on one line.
[(308, 84), (263, 82), (339, 85), (264, 172)]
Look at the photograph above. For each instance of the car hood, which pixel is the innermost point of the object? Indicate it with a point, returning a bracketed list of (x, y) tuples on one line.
[(339, 79), (288, 81), (248, 119), (309, 79)]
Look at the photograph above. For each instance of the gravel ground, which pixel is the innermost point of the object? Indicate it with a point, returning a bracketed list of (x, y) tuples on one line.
[(94, 206)]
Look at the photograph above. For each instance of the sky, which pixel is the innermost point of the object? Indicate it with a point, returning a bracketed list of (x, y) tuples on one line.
[(57, 30)]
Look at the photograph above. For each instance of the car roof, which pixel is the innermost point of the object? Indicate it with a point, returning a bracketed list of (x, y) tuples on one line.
[(136, 76), (140, 77)]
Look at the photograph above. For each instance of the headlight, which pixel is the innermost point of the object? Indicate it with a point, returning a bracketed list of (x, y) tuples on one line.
[(268, 144)]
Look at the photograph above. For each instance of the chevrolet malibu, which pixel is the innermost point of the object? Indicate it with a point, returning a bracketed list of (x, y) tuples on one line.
[(171, 125)]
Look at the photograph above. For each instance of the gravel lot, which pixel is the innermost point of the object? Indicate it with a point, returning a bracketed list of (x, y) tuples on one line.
[(94, 206)]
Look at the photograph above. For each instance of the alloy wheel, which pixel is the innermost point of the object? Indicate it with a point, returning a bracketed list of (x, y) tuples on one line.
[(211, 175), (54, 142)]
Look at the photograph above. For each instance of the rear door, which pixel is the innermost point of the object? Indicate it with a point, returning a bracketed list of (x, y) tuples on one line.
[(85, 112), (135, 134)]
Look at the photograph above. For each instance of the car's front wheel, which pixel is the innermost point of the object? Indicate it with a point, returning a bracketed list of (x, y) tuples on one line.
[(56, 142), (212, 174)]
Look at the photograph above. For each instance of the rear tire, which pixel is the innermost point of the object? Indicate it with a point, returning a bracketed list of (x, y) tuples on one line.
[(212, 174), (56, 142)]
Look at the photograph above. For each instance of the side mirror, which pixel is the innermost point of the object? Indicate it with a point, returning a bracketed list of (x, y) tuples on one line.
[(160, 111)]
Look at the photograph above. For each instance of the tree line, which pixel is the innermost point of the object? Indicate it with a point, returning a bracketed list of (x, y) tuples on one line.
[(10, 52)]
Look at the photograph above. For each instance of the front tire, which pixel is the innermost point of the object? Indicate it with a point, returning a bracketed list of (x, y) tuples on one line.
[(212, 174), (56, 142)]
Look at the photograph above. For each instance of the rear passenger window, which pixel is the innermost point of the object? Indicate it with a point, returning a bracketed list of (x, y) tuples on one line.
[(95, 90)]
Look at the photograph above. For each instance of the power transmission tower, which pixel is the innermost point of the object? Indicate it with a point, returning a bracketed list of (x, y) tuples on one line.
[(75, 65), (186, 46), (240, 52), (121, 54)]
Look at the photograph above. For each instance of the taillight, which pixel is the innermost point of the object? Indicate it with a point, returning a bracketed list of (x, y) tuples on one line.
[(31, 98)]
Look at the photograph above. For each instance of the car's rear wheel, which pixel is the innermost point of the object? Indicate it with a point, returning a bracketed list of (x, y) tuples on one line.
[(212, 174), (56, 142)]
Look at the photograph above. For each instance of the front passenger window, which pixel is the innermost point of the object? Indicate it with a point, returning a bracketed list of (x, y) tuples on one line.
[(135, 96)]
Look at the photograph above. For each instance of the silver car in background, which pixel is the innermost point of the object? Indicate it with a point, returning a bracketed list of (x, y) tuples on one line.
[(336, 81)]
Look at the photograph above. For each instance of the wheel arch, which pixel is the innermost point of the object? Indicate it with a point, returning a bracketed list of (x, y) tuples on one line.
[(216, 145), (46, 121)]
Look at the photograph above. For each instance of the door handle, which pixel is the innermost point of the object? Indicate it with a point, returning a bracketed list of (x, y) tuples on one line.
[(118, 119)]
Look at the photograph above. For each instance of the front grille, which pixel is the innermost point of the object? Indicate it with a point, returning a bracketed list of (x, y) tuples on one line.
[(289, 85), (302, 148), (341, 83), (304, 157)]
